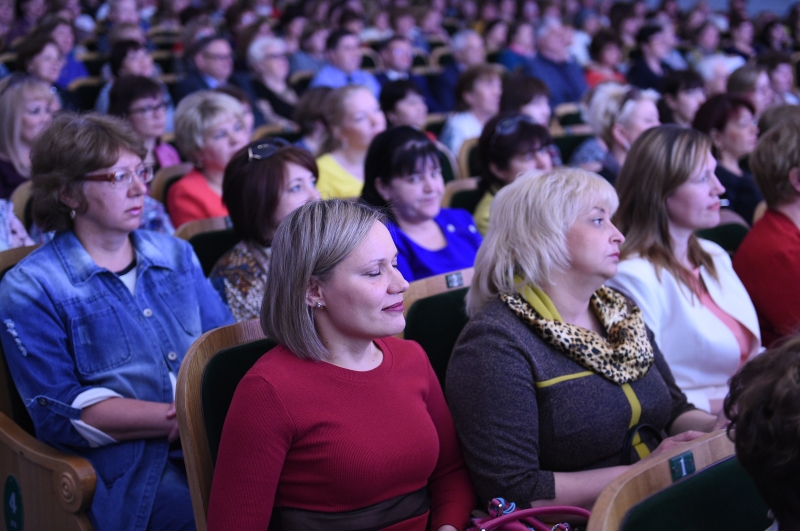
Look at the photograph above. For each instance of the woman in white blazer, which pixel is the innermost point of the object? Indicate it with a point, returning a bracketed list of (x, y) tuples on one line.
[(692, 300)]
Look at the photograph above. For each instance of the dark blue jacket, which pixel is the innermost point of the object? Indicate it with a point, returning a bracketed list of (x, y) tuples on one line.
[(565, 80)]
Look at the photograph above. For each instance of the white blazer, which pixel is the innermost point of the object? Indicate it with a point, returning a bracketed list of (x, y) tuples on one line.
[(701, 351)]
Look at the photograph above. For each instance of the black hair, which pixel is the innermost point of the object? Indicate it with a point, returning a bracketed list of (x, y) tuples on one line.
[(602, 38), (394, 91), (674, 82), (333, 39), (119, 51), (128, 89), (498, 149), (396, 152)]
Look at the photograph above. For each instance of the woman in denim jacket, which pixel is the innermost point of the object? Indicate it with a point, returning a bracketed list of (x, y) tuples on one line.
[(96, 323)]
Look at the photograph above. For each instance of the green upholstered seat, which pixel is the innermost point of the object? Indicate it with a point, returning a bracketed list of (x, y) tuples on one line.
[(466, 199), (435, 323), (728, 236), (721, 497), (220, 378), (448, 174), (210, 246)]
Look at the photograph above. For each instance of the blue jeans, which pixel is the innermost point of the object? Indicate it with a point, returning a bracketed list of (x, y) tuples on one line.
[(172, 507)]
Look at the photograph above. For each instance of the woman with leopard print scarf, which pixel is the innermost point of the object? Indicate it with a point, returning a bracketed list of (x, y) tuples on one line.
[(554, 369)]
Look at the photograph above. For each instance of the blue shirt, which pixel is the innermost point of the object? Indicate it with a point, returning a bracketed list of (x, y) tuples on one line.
[(565, 80), (463, 240), (330, 76), (69, 326)]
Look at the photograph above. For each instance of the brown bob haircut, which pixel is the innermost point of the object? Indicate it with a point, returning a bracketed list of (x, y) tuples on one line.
[(68, 149), (251, 189)]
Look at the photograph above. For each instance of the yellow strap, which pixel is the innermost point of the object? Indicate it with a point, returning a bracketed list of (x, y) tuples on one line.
[(539, 300), (636, 414), (559, 379)]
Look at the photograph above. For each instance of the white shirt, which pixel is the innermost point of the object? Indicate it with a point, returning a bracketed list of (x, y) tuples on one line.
[(701, 350)]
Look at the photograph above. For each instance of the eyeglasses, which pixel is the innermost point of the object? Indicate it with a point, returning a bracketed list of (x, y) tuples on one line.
[(144, 174), (508, 126), (264, 149), (149, 109)]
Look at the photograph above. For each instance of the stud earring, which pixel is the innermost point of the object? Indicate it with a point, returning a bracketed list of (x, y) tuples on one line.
[(319, 305), (72, 214)]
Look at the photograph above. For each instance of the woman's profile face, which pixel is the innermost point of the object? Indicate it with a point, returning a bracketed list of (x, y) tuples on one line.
[(740, 135), (363, 120), (364, 296), (520, 163), (113, 208), (694, 205), (47, 65), (538, 109), (593, 244), (417, 197), (485, 95), (35, 118), (299, 187), (762, 95)]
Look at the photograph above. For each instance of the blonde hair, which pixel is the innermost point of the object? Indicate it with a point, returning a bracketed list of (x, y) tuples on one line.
[(334, 112), (199, 112), (528, 233), (613, 103), (308, 245), (14, 95), (660, 160), (775, 156)]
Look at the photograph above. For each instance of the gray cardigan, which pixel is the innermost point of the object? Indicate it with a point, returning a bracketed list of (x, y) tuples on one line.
[(517, 426)]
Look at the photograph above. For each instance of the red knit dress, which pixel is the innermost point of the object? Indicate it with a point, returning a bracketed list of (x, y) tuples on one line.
[(314, 436)]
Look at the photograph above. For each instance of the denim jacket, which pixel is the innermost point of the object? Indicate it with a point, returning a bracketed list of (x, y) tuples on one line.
[(69, 325)]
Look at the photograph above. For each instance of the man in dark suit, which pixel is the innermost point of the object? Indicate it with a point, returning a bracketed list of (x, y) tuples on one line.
[(468, 50), (398, 58)]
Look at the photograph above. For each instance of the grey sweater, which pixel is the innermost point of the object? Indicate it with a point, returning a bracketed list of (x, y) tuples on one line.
[(517, 425)]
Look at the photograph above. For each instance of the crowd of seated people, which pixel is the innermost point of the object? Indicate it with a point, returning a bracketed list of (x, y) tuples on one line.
[(321, 131)]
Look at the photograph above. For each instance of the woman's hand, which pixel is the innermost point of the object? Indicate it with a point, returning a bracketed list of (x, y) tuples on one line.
[(676, 440)]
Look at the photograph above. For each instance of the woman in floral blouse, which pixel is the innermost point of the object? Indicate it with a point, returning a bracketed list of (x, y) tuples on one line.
[(263, 183)]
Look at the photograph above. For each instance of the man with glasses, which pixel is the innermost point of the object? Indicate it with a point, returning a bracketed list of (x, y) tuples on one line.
[(211, 66), (344, 64)]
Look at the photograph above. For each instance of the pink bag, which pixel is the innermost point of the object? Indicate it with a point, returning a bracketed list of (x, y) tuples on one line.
[(506, 517)]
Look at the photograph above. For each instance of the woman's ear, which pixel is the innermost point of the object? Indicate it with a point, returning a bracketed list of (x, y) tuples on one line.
[(794, 179), (620, 136), (716, 138), (68, 198), (314, 294), (384, 190)]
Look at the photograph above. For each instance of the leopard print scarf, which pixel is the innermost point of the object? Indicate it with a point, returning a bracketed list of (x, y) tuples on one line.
[(624, 356)]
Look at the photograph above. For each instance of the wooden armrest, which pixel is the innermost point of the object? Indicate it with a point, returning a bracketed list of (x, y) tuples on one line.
[(74, 478)]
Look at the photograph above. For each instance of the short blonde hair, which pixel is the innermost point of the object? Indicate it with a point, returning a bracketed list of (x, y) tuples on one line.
[(528, 233), (199, 112), (613, 103), (308, 245), (15, 91), (775, 156)]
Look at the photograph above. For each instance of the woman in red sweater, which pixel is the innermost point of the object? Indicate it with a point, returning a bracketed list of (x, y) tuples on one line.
[(335, 428)]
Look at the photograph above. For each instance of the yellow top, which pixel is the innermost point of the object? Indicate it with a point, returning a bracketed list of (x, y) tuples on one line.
[(481, 214), (334, 181)]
